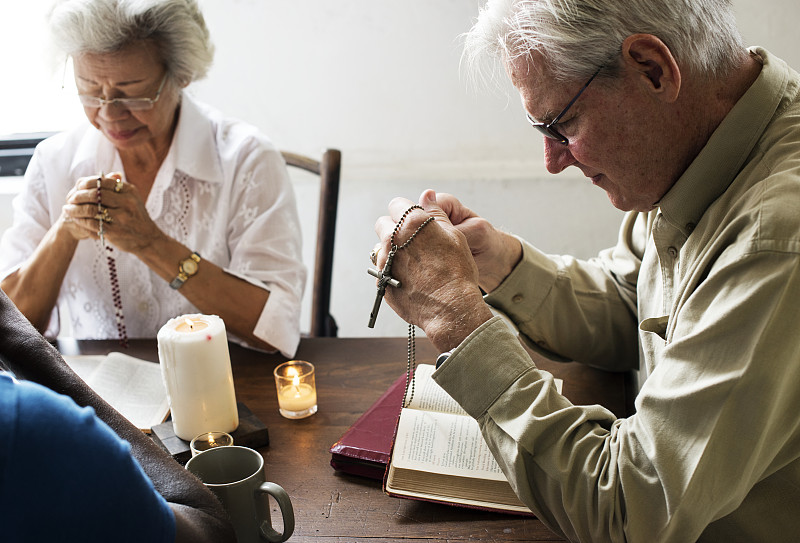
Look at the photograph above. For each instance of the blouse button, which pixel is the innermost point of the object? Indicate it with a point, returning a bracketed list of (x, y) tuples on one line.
[(673, 252), (517, 298)]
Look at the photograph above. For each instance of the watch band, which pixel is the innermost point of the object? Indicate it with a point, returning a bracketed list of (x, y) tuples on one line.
[(186, 268)]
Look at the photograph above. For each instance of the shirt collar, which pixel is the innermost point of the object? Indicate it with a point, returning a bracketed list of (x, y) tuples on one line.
[(195, 145), (720, 161)]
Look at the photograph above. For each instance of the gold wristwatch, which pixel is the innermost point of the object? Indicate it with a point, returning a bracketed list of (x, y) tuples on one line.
[(186, 269)]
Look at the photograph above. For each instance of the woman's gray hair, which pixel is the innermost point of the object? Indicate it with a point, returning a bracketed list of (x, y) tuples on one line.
[(176, 27), (577, 36)]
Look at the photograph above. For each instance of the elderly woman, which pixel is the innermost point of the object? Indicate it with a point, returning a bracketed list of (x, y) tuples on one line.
[(162, 206)]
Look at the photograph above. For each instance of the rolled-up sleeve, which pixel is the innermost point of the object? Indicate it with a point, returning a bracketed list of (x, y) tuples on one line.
[(584, 310), (266, 247)]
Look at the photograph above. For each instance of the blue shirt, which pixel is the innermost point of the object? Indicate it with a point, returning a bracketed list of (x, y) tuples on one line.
[(66, 476)]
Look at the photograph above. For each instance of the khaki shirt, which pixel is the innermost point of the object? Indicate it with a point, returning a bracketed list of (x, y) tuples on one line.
[(702, 295)]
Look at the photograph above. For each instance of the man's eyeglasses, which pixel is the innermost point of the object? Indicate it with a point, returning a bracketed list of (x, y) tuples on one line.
[(547, 129), (131, 104)]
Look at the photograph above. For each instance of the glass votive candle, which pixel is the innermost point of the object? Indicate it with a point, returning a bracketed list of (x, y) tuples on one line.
[(209, 440), (297, 391)]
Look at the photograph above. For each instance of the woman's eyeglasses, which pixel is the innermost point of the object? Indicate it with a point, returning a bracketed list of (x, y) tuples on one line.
[(131, 104)]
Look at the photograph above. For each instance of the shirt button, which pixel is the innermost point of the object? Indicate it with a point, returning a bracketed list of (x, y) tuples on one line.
[(690, 226), (672, 251), (517, 298)]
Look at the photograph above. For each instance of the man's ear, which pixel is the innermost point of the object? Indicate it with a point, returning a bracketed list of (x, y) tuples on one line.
[(651, 59)]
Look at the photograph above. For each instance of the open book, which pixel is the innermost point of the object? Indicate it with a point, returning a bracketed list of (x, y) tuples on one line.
[(132, 386), (439, 454)]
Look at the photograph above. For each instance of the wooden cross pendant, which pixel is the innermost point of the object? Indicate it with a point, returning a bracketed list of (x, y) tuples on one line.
[(384, 278)]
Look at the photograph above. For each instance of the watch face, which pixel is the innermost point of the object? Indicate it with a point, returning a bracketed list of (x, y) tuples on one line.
[(189, 266)]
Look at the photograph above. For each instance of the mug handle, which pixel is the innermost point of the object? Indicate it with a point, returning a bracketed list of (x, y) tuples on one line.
[(268, 533)]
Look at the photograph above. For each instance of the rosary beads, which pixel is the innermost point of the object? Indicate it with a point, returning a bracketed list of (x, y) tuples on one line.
[(116, 294), (385, 278)]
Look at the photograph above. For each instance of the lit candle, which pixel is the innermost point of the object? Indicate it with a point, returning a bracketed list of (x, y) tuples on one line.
[(193, 324), (210, 440), (297, 391), (196, 366)]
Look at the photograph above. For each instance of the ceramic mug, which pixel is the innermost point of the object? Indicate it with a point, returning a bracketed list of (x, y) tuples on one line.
[(236, 475)]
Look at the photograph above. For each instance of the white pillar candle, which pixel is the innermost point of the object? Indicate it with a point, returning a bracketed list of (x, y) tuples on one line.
[(196, 366)]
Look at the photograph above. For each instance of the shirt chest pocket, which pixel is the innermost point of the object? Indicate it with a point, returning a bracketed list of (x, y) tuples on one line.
[(656, 325), (653, 339)]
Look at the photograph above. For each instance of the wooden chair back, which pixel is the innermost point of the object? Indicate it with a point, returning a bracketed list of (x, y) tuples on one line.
[(328, 168)]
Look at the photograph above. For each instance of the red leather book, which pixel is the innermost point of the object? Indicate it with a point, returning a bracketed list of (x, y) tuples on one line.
[(364, 449)]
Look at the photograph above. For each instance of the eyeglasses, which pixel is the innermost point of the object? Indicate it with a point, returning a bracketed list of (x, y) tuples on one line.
[(547, 128), (131, 104)]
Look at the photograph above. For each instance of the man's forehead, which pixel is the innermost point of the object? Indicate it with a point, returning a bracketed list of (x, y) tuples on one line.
[(536, 85), (525, 68)]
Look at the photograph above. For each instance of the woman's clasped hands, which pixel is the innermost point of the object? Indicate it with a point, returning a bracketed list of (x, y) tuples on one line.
[(126, 223)]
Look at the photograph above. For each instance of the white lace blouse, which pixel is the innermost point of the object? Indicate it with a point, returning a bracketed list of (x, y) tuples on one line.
[(223, 191)]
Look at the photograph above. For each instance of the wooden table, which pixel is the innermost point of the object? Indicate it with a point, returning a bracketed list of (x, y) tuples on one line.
[(351, 374)]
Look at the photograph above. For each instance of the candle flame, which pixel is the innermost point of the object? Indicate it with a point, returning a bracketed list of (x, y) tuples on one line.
[(190, 322), (295, 376)]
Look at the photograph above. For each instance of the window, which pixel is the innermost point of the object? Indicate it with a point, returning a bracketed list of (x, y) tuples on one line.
[(37, 93)]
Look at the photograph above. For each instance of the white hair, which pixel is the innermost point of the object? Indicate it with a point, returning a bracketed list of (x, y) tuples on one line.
[(575, 37), (176, 27)]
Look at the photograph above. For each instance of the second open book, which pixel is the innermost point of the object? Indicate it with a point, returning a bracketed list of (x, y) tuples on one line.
[(132, 386), (439, 453)]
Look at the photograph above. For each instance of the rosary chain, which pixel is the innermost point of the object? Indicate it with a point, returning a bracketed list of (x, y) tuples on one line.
[(411, 364), (397, 247), (116, 292), (411, 360)]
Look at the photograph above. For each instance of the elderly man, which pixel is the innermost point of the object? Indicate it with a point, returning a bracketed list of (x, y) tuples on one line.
[(698, 139)]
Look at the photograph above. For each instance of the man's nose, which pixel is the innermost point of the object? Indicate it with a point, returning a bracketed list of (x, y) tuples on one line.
[(557, 156)]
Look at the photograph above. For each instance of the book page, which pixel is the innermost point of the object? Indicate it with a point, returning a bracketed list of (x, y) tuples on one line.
[(443, 443), (132, 386), (429, 396), (85, 365)]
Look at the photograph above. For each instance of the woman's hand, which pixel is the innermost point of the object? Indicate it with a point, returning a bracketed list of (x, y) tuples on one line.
[(126, 223), (78, 221)]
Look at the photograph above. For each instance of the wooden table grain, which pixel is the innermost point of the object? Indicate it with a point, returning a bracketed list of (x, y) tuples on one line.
[(351, 373)]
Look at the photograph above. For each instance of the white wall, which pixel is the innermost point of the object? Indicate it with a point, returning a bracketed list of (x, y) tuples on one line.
[(381, 81)]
